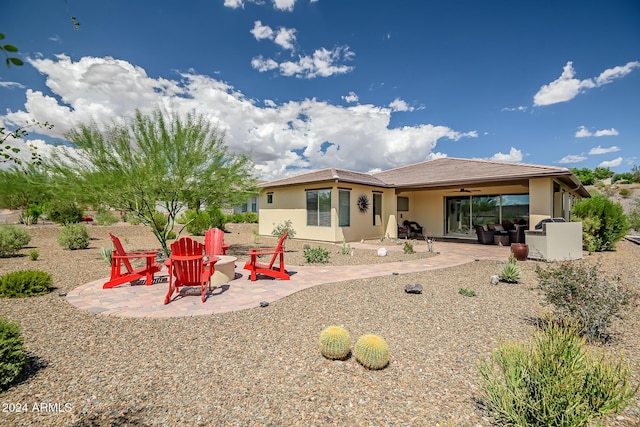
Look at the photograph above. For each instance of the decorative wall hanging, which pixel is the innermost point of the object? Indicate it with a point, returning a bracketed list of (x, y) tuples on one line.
[(363, 203)]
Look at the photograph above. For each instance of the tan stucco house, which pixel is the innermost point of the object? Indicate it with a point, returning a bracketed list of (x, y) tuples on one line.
[(446, 196)]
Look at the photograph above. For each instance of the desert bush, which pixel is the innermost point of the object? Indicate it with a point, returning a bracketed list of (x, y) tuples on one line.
[(236, 218), (624, 192), (31, 215), (34, 254), (12, 239), (346, 247), (279, 229), (105, 217), (580, 291), (467, 292), (603, 222), (64, 212), (316, 255), (25, 283), (633, 218), (408, 248), (197, 222), (553, 381), (12, 356), (74, 236), (251, 217)]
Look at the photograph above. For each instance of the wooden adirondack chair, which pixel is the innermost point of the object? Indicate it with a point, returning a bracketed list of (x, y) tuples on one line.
[(270, 270), (214, 242), (120, 258), (187, 267)]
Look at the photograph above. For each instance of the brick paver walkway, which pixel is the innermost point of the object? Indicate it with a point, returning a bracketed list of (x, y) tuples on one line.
[(241, 293)]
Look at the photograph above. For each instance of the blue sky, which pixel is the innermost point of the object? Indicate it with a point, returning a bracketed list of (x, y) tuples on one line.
[(362, 85)]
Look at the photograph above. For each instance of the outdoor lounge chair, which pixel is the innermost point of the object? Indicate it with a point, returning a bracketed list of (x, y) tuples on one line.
[(187, 267), (214, 242), (120, 258), (270, 270), (485, 236), (415, 229)]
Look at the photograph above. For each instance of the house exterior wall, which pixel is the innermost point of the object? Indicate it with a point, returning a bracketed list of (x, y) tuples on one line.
[(290, 203)]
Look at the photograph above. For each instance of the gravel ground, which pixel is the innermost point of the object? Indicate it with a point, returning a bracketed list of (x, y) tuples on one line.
[(261, 367)]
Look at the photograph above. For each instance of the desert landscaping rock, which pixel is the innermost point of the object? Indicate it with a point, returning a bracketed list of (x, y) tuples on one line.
[(262, 367)]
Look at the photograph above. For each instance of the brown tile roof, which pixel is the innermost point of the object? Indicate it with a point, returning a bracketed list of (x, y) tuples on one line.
[(441, 172), (327, 175)]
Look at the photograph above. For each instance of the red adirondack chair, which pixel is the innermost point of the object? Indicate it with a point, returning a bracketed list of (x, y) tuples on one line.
[(120, 258), (270, 270), (214, 242), (187, 267)]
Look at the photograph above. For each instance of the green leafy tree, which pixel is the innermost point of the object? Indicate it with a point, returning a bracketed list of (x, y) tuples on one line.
[(603, 222), (153, 162), (602, 173), (585, 175), (23, 186), (635, 172)]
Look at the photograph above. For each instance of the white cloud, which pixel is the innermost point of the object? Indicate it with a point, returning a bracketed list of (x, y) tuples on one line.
[(566, 87), (572, 158), (323, 63), (400, 105), (286, 5), (12, 84), (285, 38), (352, 97), (281, 138), (603, 150), (261, 32), (583, 132), (611, 163), (234, 4), (514, 155), (520, 108)]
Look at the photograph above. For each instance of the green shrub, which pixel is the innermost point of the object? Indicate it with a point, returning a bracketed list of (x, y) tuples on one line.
[(467, 292), (510, 273), (198, 224), (74, 236), (34, 254), (31, 215), (12, 239), (624, 192), (580, 291), (408, 248), (346, 247), (25, 283), (63, 212), (251, 218), (316, 255), (12, 356), (107, 254), (235, 218), (603, 222), (132, 218), (282, 227), (105, 217), (553, 381), (217, 219)]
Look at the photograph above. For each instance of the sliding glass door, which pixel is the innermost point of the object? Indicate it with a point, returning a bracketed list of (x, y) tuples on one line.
[(465, 212)]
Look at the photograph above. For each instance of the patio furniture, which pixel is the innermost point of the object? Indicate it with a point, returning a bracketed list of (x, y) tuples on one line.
[(485, 236), (187, 267), (214, 242), (517, 234), (501, 238), (256, 267), (120, 258), (415, 229), (555, 241), (403, 232), (225, 270)]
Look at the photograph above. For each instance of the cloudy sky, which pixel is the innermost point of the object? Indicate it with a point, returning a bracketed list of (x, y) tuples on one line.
[(362, 85)]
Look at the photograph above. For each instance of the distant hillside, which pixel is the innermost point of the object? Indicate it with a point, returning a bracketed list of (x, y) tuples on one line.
[(613, 191)]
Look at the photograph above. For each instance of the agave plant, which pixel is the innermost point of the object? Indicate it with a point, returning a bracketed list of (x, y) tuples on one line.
[(510, 273)]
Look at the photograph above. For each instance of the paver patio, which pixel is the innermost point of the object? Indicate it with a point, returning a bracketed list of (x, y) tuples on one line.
[(241, 293)]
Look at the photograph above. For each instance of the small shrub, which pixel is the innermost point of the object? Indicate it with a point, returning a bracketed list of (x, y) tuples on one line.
[(371, 351), (408, 248), (107, 255), (105, 217), (510, 273), (553, 381), (25, 283), (335, 342), (603, 222), (34, 254), (236, 218), (346, 247), (316, 255), (282, 227), (27, 219), (582, 292), (74, 236), (63, 212), (12, 239), (251, 217), (467, 292), (12, 356), (256, 235), (217, 219), (197, 222), (634, 215), (624, 192)]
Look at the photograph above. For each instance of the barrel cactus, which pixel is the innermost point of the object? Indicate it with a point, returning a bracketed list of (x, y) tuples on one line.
[(371, 351), (335, 342)]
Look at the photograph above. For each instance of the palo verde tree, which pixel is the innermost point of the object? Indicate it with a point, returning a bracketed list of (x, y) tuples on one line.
[(150, 161)]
